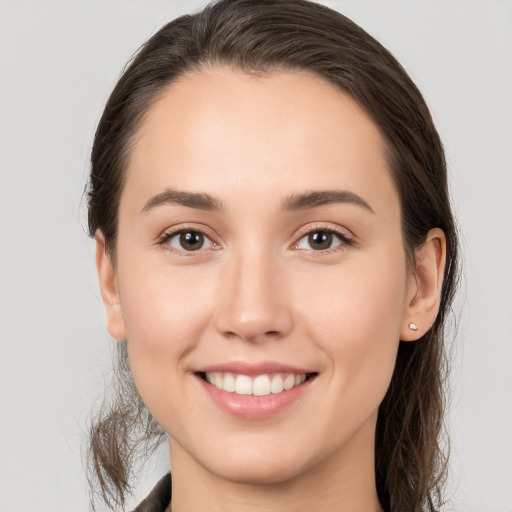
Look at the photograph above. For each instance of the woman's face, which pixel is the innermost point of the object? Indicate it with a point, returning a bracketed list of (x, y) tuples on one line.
[(260, 245)]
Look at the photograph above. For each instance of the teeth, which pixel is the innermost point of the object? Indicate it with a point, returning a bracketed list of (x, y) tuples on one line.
[(261, 385), (276, 386), (289, 382), (229, 383), (243, 385)]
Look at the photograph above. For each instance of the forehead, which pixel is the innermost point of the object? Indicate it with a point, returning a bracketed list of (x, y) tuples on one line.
[(225, 131)]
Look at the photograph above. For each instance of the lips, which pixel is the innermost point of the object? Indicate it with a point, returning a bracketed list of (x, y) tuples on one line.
[(255, 390)]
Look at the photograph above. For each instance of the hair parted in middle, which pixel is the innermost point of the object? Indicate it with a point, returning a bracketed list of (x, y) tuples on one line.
[(260, 36)]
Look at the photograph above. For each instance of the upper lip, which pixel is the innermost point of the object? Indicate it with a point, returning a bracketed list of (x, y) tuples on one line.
[(246, 368)]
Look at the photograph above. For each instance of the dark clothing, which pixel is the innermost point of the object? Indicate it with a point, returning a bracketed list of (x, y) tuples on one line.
[(159, 498)]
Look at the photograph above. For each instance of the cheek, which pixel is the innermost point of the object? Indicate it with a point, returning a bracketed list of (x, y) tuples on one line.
[(356, 321), (160, 306), (161, 311)]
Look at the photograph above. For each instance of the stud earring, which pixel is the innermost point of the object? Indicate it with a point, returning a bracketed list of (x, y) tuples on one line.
[(413, 326)]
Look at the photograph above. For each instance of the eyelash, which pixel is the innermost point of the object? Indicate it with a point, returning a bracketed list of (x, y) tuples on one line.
[(345, 240), (169, 235)]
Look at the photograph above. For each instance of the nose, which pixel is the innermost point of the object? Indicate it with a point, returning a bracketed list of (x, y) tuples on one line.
[(253, 303)]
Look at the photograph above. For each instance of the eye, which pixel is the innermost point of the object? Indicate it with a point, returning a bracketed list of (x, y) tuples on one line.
[(188, 240), (321, 240)]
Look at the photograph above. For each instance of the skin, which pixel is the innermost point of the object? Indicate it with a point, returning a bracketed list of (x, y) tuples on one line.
[(259, 292)]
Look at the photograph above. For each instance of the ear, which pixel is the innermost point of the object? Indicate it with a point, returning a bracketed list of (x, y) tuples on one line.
[(425, 286), (109, 290)]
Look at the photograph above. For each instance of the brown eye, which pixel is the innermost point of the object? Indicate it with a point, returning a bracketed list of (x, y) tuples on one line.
[(320, 240), (189, 241)]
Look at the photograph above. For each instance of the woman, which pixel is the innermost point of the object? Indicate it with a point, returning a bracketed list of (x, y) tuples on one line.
[(276, 247)]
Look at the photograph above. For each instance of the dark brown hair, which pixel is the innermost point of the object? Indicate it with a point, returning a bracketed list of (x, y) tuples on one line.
[(261, 36)]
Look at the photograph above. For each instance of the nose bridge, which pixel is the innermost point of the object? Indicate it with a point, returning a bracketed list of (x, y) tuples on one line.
[(252, 302)]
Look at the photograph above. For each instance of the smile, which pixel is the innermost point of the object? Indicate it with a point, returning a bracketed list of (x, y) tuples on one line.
[(258, 385), (255, 390)]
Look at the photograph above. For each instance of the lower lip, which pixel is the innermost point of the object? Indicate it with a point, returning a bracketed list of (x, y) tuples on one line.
[(254, 407)]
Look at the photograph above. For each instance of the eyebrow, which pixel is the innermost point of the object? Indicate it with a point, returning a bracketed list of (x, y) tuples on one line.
[(294, 202), (323, 197), (190, 199)]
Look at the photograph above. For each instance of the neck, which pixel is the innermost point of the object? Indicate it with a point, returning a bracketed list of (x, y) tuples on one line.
[(343, 481)]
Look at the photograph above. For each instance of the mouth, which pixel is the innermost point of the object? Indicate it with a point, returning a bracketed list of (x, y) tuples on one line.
[(264, 384), (256, 390)]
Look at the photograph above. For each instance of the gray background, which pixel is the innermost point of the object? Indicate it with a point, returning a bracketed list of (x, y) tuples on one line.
[(58, 63)]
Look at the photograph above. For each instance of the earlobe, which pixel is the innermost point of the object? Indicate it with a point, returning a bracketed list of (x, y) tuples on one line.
[(425, 287), (109, 290)]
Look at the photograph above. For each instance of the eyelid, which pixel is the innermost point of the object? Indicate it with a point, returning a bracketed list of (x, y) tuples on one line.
[(344, 234), (325, 226), (169, 233)]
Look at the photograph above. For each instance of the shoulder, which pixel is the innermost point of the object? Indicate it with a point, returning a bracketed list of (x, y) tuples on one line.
[(159, 498)]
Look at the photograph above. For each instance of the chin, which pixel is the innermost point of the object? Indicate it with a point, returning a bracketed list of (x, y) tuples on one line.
[(258, 467), (264, 474)]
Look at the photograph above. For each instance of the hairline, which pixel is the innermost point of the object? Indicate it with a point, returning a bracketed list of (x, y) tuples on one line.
[(261, 71)]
